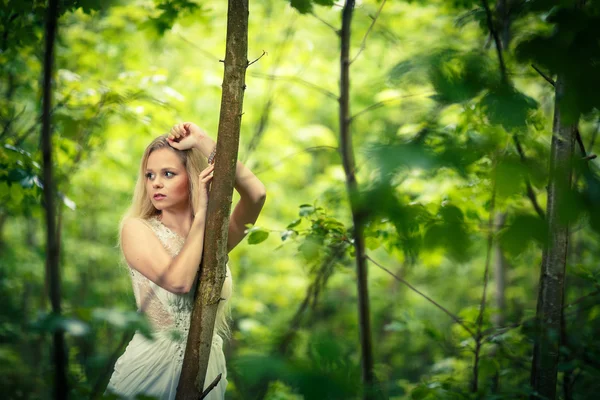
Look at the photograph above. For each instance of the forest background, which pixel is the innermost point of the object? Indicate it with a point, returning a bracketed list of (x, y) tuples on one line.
[(452, 130)]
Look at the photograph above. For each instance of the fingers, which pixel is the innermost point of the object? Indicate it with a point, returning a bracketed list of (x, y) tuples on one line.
[(178, 131), (207, 174)]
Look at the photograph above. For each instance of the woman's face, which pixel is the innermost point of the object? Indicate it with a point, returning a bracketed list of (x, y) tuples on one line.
[(166, 180)]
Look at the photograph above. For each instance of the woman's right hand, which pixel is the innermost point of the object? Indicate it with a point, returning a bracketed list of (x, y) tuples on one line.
[(204, 180)]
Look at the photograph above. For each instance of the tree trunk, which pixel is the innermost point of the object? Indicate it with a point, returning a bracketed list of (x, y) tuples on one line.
[(554, 257), (213, 269), (52, 240), (347, 155), (500, 267)]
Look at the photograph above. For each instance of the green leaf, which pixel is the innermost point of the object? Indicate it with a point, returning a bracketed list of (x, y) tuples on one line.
[(258, 236), (306, 209), (508, 107), (294, 223), (522, 230)]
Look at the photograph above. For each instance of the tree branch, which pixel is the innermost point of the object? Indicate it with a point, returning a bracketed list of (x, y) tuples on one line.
[(383, 103), (488, 256), (429, 299), (364, 41), (546, 77), (295, 79), (494, 34)]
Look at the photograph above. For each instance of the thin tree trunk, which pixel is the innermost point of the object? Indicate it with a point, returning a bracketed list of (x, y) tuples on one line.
[(212, 275), (52, 240), (500, 267), (554, 257), (347, 155)]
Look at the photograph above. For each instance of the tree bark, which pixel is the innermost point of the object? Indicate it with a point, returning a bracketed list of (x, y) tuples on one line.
[(52, 239), (213, 269), (554, 257), (347, 156)]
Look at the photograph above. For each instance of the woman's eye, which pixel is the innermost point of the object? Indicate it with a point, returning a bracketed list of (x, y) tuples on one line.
[(149, 175), (169, 172)]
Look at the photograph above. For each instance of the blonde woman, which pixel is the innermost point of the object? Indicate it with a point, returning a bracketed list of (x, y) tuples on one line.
[(162, 236)]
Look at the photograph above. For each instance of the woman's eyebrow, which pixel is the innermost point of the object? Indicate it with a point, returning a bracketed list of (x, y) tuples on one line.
[(163, 169)]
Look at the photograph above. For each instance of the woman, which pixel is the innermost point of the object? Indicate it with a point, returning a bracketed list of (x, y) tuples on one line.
[(162, 236)]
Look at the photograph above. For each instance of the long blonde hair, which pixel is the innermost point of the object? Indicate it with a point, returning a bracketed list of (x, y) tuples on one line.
[(141, 207), (193, 161)]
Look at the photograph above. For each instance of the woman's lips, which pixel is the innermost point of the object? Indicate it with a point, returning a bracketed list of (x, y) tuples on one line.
[(159, 196)]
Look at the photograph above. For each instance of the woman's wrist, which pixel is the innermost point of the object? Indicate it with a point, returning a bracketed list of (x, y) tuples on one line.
[(205, 145)]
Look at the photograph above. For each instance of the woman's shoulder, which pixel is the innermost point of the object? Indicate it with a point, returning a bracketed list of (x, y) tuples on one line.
[(138, 223)]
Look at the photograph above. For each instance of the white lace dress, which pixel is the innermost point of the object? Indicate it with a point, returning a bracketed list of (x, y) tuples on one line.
[(152, 367)]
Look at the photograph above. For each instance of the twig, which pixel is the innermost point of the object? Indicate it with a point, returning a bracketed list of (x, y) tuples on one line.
[(546, 77), (500, 331), (530, 191), (295, 79), (308, 149), (364, 41), (411, 287), (479, 321), (594, 136), (200, 49), (261, 56), (270, 93), (211, 387), (333, 28), (494, 34), (383, 103)]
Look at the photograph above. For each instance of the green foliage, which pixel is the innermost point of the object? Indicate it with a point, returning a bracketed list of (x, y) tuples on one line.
[(432, 129), (306, 6)]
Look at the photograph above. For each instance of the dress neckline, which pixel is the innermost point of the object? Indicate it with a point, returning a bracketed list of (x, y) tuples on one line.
[(167, 228)]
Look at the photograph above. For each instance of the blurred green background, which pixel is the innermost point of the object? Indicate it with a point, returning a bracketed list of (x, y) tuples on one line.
[(432, 127)]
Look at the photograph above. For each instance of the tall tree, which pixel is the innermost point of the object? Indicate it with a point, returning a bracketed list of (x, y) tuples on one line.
[(52, 238), (358, 217), (554, 257), (214, 259)]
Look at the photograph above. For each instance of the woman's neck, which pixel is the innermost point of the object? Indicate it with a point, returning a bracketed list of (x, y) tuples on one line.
[(179, 222)]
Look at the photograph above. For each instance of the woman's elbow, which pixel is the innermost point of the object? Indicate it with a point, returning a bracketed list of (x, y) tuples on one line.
[(261, 195)]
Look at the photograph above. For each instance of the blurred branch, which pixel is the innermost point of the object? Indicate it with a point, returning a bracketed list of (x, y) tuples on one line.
[(500, 331), (364, 41), (295, 79), (494, 33), (488, 257), (312, 293), (270, 94), (261, 56), (594, 136), (210, 387), (308, 149), (200, 49), (530, 191), (333, 28), (411, 287), (9, 122), (546, 77), (383, 103)]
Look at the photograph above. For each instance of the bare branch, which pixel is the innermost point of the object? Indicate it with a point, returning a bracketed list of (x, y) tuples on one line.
[(333, 28), (364, 41), (546, 77), (411, 287), (297, 80), (383, 103), (282, 160), (210, 387), (261, 56), (488, 257), (494, 34), (530, 191)]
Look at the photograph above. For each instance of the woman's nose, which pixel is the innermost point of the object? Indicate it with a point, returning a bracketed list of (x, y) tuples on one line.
[(157, 183)]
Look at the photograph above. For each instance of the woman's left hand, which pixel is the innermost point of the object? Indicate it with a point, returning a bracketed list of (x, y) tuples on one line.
[(187, 135)]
